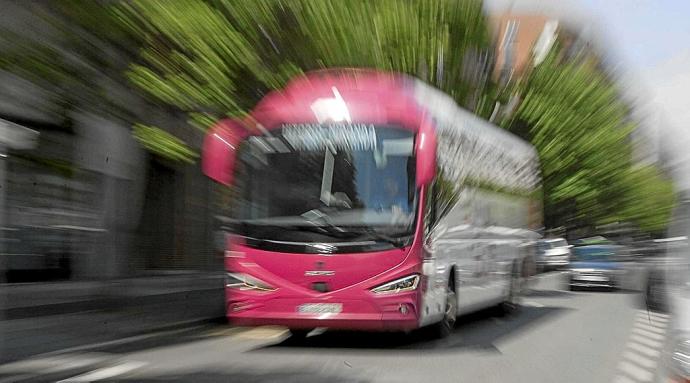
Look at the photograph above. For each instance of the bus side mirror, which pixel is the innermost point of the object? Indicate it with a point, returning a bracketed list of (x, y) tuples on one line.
[(426, 154), (220, 149)]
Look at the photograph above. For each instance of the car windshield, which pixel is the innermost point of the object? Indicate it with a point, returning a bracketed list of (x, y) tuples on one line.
[(351, 177), (552, 244), (594, 253), (557, 243), (598, 240)]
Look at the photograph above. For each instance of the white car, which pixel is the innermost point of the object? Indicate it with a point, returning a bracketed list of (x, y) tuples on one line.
[(553, 253)]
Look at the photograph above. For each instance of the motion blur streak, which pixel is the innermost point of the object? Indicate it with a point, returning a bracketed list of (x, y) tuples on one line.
[(397, 165)]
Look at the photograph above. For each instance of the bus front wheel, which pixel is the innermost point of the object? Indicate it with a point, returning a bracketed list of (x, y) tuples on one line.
[(511, 302), (443, 328)]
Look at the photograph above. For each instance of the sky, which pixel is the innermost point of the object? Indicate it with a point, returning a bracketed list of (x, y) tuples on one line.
[(649, 43), (649, 32), (644, 33), (652, 39)]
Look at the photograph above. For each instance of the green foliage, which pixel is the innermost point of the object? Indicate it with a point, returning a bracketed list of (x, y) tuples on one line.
[(163, 144), (570, 111), (221, 57), (649, 199), (193, 58), (201, 121), (580, 126), (217, 58)]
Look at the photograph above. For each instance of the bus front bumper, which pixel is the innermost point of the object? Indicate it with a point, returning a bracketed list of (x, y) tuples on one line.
[(395, 312)]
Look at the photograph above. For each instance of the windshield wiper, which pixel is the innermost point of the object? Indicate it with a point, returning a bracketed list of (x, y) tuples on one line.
[(314, 222), (395, 241), (329, 230), (319, 218), (320, 222)]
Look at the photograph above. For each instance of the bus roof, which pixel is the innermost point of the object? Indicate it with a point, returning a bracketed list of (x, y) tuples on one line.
[(380, 96)]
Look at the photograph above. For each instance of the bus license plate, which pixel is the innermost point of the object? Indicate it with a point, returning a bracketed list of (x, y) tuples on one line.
[(320, 308)]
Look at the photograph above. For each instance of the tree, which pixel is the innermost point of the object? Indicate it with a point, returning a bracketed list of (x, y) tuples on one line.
[(208, 59), (218, 58), (572, 113), (649, 199)]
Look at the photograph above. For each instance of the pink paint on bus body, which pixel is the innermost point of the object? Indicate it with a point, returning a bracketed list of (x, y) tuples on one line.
[(219, 150), (355, 275), (373, 98)]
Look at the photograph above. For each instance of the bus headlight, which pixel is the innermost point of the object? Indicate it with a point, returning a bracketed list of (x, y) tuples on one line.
[(245, 282), (408, 283)]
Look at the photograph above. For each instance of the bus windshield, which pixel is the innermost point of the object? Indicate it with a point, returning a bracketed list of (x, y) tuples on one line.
[(358, 179)]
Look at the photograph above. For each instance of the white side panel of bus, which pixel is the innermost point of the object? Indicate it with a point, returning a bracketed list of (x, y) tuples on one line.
[(478, 232)]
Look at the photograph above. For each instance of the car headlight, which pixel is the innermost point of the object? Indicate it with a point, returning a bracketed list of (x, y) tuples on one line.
[(408, 283), (242, 281), (680, 360)]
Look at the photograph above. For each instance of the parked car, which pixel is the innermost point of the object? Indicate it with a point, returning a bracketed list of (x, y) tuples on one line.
[(597, 240), (596, 266), (553, 253), (675, 361), (657, 265)]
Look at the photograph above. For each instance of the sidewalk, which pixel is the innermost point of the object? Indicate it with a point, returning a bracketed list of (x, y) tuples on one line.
[(39, 318), (29, 300)]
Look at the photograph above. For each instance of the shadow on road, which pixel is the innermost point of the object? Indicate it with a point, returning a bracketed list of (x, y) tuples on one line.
[(229, 375), (605, 290), (548, 294), (245, 377), (479, 331)]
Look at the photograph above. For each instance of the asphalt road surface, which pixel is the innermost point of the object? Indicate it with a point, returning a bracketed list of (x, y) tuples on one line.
[(557, 336)]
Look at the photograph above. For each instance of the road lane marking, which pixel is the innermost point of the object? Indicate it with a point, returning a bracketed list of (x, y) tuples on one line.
[(644, 349), (532, 304), (639, 359), (623, 379), (654, 317), (52, 364), (653, 328), (227, 331), (264, 333), (648, 334), (659, 315), (645, 341), (635, 372), (105, 372), (642, 352), (651, 321)]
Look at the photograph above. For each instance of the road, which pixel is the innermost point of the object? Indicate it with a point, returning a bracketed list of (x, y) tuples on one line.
[(558, 335)]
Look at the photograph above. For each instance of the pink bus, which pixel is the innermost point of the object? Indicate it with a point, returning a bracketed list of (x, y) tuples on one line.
[(370, 201)]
